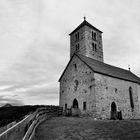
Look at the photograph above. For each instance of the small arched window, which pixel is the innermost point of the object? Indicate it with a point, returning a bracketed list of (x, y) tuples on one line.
[(78, 36), (75, 66), (131, 97), (92, 35), (95, 37), (94, 47), (76, 84), (77, 47)]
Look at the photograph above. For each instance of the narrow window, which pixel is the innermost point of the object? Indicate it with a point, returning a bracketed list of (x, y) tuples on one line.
[(92, 35), (75, 66), (84, 106), (78, 46), (65, 106), (95, 37), (131, 98), (95, 47), (76, 85), (78, 36)]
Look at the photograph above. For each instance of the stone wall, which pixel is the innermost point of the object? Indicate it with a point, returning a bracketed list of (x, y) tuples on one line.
[(18, 131), (138, 92), (107, 90), (85, 41), (97, 55), (111, 89), (84, 92), (81, 41)]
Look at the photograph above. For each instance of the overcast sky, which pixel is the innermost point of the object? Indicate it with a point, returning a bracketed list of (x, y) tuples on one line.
[(34, 43)]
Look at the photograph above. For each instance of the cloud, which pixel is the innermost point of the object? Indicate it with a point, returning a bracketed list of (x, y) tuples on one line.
[(34, 42), (5, 87), (4, 100), (39, 94), (45, 92)]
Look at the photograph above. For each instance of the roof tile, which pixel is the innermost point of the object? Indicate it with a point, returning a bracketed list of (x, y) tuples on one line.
[(109, 70)]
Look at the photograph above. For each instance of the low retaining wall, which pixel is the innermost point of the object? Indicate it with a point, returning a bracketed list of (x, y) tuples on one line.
[(25, 129), (17, 131), (30, 133), (44, 113)]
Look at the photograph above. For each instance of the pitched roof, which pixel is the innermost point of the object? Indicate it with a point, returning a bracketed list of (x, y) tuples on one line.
[(109, 70), (83, 24), (106, 69)]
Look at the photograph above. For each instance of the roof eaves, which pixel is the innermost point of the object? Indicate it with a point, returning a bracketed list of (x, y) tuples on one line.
[(85, 62), (80, 26), (117, 77), (134, 81), (66, 68)]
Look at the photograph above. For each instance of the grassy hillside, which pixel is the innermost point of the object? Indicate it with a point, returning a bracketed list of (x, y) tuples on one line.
[(15, 113)]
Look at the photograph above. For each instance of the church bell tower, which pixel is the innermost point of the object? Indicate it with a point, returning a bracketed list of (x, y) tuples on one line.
[(87, 40)]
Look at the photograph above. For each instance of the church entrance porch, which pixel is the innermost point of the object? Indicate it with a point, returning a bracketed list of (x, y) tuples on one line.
[(113, 111), (75, 103), (75, 108)]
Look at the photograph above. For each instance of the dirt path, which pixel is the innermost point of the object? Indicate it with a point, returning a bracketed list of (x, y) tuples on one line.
[(69, 128)]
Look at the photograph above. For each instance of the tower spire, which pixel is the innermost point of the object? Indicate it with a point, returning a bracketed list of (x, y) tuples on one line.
[(129, 67), (84, 18), (86, 40)]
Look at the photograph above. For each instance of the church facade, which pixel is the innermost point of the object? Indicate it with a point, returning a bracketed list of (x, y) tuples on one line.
[(94, 87)]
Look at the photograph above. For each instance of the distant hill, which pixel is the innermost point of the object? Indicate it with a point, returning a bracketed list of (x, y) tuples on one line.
[(7, 105)]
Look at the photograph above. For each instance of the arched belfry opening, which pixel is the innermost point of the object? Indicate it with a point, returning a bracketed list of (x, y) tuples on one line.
[(113, 111), (75, 103)]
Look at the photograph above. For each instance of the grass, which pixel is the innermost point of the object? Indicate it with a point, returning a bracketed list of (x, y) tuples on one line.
[(70, 128)]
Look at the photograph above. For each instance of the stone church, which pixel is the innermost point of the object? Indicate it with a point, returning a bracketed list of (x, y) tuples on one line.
[(94, 87)]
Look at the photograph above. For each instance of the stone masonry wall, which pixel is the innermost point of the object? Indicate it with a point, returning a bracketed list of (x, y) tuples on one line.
[(138, 92), (81, 42), (111, 89), (88, 43), (84, 92), (98, 91), (85, 41)]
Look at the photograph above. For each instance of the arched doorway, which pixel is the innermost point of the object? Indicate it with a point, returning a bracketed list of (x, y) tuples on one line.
[(113, 107), (75, 103), (113, 111)]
